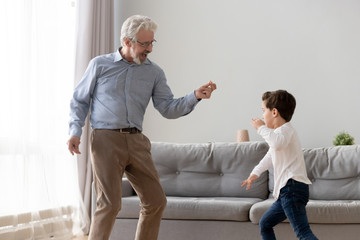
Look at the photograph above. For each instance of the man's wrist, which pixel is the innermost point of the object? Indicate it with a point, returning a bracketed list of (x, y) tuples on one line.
[(199, 99)]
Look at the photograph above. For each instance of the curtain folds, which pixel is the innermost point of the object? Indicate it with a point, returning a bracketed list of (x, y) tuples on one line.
[(94, 36), (40, 197), (44, 43)]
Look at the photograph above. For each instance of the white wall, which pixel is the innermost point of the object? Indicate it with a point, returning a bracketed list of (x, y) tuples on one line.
[(310, 48)]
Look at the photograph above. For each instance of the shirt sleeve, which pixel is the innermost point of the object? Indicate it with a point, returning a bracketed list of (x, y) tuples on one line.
[(278, 138), (263, 165), (80, 103), (166, 104)]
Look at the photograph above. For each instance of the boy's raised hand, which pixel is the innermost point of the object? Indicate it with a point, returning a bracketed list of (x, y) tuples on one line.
[(249, 181), (257, 122)]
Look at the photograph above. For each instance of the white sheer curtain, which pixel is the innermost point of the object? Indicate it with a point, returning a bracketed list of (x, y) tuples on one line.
[(40, 196)]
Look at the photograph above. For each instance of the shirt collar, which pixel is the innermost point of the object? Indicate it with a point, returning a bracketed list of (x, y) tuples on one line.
[(118, 57)]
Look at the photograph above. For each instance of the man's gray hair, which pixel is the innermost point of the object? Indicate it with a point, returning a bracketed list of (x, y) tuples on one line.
[(132, 26)]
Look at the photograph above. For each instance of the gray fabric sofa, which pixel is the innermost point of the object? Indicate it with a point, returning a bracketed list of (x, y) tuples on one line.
[(205, 200)]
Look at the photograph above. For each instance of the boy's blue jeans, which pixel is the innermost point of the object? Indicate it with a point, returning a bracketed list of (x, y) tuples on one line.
[(291, 205)]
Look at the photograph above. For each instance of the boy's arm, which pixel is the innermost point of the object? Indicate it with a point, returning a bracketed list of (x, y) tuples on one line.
[(263, 165), (277, 139)]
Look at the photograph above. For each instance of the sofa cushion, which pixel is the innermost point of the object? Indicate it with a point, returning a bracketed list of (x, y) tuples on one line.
[(333, 171), (209, 169), (194, 208), (318, 211), (258, 209)]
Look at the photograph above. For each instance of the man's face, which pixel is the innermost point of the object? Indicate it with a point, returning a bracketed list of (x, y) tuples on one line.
[(140, 49)]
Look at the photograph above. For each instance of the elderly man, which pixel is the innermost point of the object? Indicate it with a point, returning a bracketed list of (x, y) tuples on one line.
[(118, 88)]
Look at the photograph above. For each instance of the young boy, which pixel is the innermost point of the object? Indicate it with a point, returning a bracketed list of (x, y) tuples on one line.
[(285, 155)]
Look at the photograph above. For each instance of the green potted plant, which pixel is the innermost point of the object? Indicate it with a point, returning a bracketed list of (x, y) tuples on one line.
[(343, 138)]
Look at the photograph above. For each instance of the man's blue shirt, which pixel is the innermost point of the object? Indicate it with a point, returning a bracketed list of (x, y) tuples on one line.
[(118, 93)]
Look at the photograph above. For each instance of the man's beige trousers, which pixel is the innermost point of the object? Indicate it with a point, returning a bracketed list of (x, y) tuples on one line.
[(113, 154)]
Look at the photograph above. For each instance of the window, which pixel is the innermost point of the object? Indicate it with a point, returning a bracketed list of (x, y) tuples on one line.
[(37, 173)]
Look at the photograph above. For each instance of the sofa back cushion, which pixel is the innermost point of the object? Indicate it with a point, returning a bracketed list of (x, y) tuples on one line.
[(333, 171), (209, 169)]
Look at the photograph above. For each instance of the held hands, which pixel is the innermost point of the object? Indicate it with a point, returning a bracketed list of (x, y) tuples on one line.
[(248, 182), (257, 122), (73, 145), (205, 90)]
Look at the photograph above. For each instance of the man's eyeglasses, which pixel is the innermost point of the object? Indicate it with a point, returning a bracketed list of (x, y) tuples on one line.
[(146, 44)]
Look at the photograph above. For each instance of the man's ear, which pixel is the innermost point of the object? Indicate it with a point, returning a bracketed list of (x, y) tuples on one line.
[(127, 42)]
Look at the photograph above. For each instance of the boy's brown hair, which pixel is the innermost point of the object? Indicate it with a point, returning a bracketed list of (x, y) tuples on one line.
[(283, 101)]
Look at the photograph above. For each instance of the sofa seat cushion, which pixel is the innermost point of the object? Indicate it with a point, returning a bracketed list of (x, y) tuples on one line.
[(196, 208), (318, 211)]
